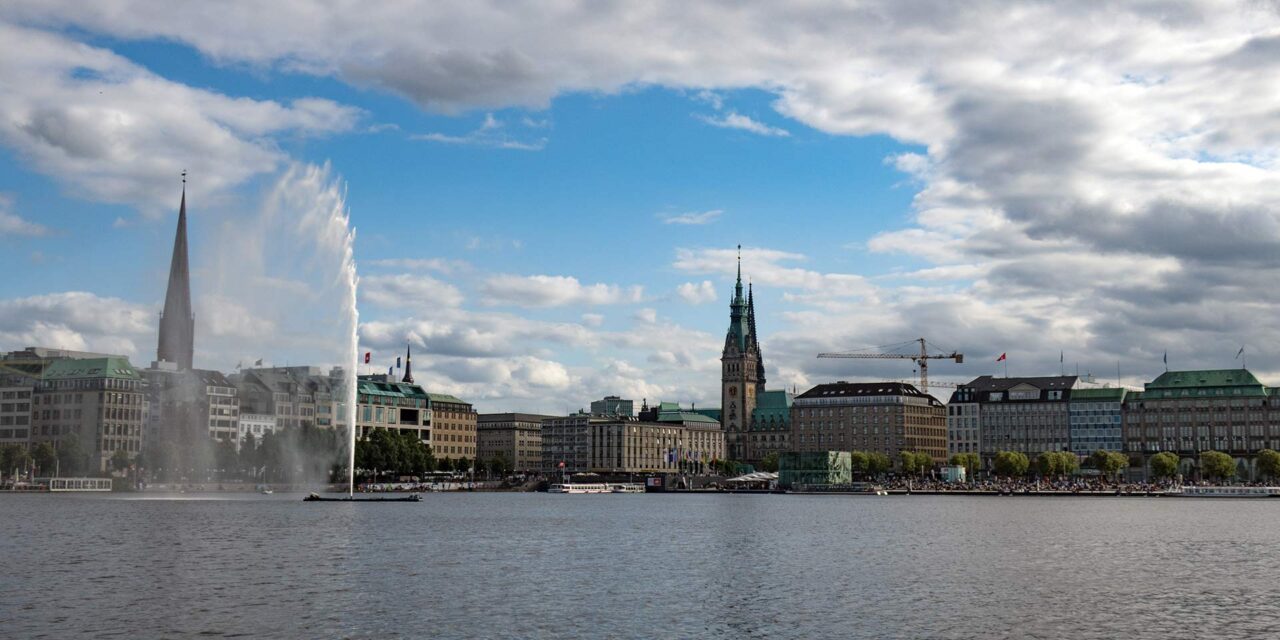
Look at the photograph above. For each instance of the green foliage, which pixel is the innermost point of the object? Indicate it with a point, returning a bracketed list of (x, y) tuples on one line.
[(1164, 464), (770, 463), (1055, 463), (500, 466), (970, 461), (1217, 465), (44, 456), (120, 460), (1011, 463), (1108, 463), (444, 464), (1269, 463), (860, 462), (1069, 462), (909, 462), (879, 463), (13, 457), (71, 457), (394, 453)]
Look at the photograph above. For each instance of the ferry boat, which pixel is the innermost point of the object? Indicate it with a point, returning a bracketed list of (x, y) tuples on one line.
[(1225, 492), (626, 487), (579, 487)]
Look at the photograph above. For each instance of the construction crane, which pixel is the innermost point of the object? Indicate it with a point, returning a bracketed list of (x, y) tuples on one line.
[(886, 353)]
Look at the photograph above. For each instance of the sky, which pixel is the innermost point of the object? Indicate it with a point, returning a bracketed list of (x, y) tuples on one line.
[(546, 199)]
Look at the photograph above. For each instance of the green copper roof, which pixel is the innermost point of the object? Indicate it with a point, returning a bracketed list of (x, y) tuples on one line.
[(446, 398), (113, 367), (1112, 394), (684, 416), (391, 389), (1207, 378)]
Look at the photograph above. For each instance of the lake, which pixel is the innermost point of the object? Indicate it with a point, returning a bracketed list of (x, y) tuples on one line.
[(503, 565)]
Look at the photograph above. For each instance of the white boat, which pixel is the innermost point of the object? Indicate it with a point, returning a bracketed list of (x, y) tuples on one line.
[(1224, 492), (626, 487), (579, 487)]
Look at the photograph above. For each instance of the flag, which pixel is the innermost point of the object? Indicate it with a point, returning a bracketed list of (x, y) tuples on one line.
[(1166, 357), (1060, 357), (367, 355), (238, 366), (562, 464), (1002, 357), (390, 371), (258, 362), (1240, 352), (397, 362)]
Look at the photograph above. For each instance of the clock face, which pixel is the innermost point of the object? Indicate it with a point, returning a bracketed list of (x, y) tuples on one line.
[(733, 391)]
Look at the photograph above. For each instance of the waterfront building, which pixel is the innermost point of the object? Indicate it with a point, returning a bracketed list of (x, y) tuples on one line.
[(613, 406), (635, 446), (383, 403), (742, 375), (883, 417), (566, 442), (453, 433), (1095, 419), (770, 430), (256, 425), (1189, 412), (517, 437), (99, 402), (1029, 415), (296, 397), (964, 428), (187, 409), (176, 342), (814, 468)]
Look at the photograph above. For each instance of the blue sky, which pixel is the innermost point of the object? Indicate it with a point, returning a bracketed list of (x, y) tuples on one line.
[(518, 177)]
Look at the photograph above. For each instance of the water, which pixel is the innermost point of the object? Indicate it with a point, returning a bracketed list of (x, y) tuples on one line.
[(639, 566)]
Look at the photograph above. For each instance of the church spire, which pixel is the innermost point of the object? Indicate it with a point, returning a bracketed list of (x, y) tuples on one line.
[(408, 370), (177, 321)]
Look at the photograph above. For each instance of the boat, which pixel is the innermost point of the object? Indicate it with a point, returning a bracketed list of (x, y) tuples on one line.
[(1224, 492), (579, 487), (315, 497), (267, 491), (626, 487)]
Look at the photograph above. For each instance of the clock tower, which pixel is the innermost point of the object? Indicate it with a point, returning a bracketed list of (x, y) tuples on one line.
[(741, 370)]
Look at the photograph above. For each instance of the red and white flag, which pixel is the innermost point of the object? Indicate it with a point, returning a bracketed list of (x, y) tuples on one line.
[(1001, 358), (366, 357)]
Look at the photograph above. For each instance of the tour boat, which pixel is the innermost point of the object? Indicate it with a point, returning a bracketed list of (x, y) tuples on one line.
[(315, 497), (626, 487), (579, 487), (1225, 492)]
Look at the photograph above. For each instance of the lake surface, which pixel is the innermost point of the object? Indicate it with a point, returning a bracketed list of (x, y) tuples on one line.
[(638, 566)]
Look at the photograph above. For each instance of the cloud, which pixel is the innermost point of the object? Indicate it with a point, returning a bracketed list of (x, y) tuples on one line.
[(554, 291), (79, 321), (115, 132), (11, 224), (734, 120), (491, 133), (697, 293), (441, 265), (408, 291), (763, 266), (691, 217)]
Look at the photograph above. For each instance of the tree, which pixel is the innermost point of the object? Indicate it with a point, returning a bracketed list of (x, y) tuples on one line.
[(44, 456), (924, 462), (879, 463), (1068, 463), (1108, 463), (1011, 463), (1048, 463), (910, 463), (770, 462), (71, 456), (970, 462), (13, 458), (226, 458), (444, 464), (1268, 463), (500, 466), (1164, 464), (859, 462), (120, 460), (1217, 465)]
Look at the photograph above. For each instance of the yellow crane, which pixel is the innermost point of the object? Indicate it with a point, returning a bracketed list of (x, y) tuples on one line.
[(887, 353)]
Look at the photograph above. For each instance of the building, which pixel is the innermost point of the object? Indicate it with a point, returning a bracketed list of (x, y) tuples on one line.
[(189, 410), (297, 397), (742, 377), (613, 406), (176, 343), (566, 442), (883, 417), (99, 402), (255, 425), (684, 442), (1190, 412), (1029, 415), (1095, 419), (397, 406), (453, 433), (770, 430), (814, 468), (517, 437)]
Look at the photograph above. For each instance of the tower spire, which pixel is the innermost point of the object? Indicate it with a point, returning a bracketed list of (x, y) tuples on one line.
[(408, 369), (177, 322)]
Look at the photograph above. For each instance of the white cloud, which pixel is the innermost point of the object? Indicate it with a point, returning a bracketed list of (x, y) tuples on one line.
[(80, 321), (554, 291), (118, 133), (407, 291), (697, 293), (11, 224), (763, 266), (692, 217), (734, 120), (593, 320), (490, 133)]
